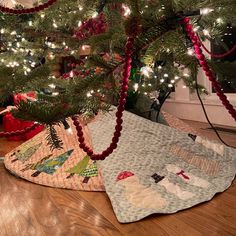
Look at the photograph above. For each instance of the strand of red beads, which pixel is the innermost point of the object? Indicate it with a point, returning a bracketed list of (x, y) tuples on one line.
[(204, 64), (27, 10), (119, 113), (19, 132), (221, 55)]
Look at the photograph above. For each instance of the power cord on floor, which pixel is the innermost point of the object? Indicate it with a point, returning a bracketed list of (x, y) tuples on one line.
[(206, 115)]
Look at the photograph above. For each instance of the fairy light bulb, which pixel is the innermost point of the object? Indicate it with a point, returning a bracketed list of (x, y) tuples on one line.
[(54, 25), (195, 29), (205, 11), (206, 32), (136, 86), (69, 131), (95, 14), (146, 70), (190, 52), (52, 86), (79, 23), (54, 94), (170, 85), (162, 80), (2, 31), (42, 15), (80, 8), (30, 23), (72, 74), (166, 75), (172, 81), (89, 94), (219, 21), (127, 10)]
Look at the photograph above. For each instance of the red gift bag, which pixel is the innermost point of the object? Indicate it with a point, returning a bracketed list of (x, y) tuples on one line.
[(11, 124)]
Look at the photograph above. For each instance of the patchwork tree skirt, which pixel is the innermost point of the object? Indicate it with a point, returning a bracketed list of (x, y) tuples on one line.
[(68, 167), (155, 169), (159, 169)]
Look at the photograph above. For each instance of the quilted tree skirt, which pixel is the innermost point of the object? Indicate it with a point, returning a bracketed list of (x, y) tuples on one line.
[(155, 169), (158, 169), (64, 168)]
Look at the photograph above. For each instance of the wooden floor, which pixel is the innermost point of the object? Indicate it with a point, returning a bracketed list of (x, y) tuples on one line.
[(29, 209)]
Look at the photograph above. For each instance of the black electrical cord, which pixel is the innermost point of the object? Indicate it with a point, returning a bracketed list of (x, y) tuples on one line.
[(206, 115), (161, 104)]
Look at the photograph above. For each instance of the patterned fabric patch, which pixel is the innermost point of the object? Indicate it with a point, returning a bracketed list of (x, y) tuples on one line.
[(79, 167), (176, 190), (139, 195), (157, 177), (215, 146), (124, 175), (50, 166), (210, 167), (90, 171), (25, 153), (189, 178)]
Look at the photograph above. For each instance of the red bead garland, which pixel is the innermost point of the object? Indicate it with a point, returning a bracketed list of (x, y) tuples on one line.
[(203, 62), (19, 132), (27, 10), (119, 113), (222, 55)]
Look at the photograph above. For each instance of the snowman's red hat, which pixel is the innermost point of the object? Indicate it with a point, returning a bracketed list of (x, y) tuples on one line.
[(124, 175)]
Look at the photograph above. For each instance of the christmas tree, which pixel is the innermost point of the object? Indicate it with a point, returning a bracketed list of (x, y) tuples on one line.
[(73, 54), (79, 168), (25, 153), (50, 166), (84, 169)]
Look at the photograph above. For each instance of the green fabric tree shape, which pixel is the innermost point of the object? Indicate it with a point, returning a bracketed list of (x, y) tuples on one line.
[(34, 166), (50, 166), (90, 171), (79, 168), (25, 153)]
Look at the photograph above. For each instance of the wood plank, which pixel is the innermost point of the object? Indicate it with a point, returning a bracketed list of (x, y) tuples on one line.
[(42, 210)]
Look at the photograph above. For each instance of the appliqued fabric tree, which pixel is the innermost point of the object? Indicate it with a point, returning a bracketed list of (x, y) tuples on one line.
[(50, 166)]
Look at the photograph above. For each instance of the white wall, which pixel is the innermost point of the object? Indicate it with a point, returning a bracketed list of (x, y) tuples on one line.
[(185, 105)]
